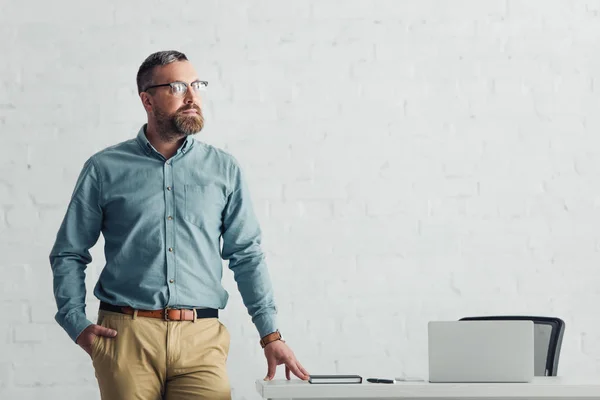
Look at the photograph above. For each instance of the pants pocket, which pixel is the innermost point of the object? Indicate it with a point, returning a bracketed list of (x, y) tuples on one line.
[(98, 339), (225, 338), (95, 346)]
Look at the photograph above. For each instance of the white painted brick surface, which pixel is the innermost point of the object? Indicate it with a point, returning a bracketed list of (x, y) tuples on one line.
[(408, 160)]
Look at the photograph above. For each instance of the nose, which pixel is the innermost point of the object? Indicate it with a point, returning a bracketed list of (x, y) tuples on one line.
[(192, 97)]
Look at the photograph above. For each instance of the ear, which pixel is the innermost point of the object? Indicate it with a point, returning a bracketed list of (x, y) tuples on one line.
[(147, 101)]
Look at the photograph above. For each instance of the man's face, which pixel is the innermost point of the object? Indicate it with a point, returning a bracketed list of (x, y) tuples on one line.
[(175, 113)]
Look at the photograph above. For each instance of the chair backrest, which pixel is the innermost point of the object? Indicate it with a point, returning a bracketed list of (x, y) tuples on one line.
[(548, 334)]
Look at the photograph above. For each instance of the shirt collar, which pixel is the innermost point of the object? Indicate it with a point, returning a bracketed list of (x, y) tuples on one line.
[(147, 146)]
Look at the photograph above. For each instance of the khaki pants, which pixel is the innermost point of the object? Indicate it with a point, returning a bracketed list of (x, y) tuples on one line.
[(152, 359)]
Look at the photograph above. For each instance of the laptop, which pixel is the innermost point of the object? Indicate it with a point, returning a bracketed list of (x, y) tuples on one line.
[(481, 351)]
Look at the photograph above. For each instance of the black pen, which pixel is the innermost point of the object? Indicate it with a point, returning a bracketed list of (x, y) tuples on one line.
[(377, 380)]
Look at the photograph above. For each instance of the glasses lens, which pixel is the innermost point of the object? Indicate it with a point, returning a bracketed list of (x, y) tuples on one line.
[(199, 86), (179, 88)]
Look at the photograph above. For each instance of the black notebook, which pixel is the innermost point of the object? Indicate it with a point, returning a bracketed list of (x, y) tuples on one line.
[(335, 379)]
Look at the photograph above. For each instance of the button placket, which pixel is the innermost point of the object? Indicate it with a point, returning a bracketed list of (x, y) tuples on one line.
[(170, 194)]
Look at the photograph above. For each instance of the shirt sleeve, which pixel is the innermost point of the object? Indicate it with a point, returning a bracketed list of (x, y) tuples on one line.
[(70, 254), (241, 246)]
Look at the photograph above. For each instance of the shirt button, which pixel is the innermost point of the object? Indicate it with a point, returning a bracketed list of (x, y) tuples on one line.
[(169, 218), (171, 281), (171, 249), (168, 187), (168, 162)]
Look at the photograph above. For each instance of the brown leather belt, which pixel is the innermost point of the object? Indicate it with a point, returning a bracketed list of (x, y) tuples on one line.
[(167, 314)]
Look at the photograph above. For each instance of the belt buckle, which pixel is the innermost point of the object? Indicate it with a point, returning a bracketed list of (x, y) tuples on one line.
[(166, 317)]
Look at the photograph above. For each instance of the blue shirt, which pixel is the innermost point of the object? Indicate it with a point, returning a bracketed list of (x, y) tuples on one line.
[(162, 222)]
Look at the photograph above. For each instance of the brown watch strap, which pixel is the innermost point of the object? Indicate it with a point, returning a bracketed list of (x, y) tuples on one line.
[(271, 337)]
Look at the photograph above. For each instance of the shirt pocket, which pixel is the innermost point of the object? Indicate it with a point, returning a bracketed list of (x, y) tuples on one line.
[(204, 205)]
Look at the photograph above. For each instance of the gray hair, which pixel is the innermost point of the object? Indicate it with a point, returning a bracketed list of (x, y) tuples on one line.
[(144, 75)]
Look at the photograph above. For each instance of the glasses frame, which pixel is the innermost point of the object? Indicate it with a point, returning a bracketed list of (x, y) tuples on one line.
[(172, 85)]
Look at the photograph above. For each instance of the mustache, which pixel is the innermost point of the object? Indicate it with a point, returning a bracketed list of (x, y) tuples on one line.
[(192, 107)]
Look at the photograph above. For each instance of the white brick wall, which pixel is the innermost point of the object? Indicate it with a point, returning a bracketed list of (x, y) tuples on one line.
[(409, 160)]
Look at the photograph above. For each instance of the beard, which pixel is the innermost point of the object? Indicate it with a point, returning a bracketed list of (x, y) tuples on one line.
[(172, 126)]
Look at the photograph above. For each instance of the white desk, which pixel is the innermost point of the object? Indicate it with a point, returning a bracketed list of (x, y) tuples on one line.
[(542, 388)]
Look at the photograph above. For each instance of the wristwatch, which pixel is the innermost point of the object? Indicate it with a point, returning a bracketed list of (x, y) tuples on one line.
[(271, 337)]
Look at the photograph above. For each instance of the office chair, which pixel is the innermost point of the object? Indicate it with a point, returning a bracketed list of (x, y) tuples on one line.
[(548, 335)]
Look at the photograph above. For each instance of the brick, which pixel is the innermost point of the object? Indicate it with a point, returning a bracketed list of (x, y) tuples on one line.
[(22, 216), (29, 333), (275, 10), (46, 374), (349, 209), (6, 372), (43, 312), (18, 282), (265, 190), (314, 191), (71, 14), (305, 210), (245, 110), (20, 312), (90, 392)]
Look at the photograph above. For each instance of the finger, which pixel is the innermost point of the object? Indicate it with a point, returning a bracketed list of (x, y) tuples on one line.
[(287, 372), (271, 367), (303, 370), (102, 331), (295, 370)]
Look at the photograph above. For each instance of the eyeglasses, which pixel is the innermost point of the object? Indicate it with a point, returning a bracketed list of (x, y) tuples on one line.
[(180, 88)]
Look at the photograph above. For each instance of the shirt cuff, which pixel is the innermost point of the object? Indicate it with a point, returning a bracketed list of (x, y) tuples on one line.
[(74, 324), (265, 324)]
